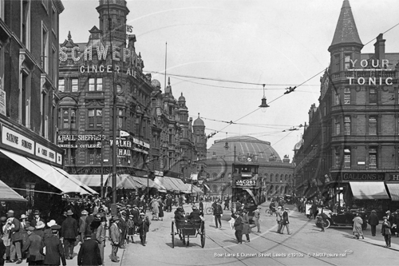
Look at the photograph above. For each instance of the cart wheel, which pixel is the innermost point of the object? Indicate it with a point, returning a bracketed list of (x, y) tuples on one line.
[(173, 235), (208, 210), (327, 223)]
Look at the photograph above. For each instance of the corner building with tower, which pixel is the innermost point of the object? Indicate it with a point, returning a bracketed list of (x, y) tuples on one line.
[(349, 153), (154, 132)]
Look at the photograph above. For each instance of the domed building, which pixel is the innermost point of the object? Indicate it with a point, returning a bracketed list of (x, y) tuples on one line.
[(275, 174)]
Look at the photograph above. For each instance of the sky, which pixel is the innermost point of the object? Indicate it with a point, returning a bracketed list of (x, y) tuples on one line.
[(221, 52)]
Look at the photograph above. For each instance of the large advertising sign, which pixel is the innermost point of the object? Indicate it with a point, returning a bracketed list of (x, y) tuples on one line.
[(2, 102)]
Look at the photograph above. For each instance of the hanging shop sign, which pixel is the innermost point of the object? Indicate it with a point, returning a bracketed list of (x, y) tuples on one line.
[(362, 176), (245, 183)]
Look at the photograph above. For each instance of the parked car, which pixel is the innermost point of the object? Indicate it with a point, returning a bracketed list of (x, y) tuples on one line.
[(344, 218)]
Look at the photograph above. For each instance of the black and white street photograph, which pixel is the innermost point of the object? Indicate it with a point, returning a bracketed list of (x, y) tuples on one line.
[(199, 132)]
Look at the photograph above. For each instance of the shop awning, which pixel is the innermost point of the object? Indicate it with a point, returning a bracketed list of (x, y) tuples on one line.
[(8, 194), (91, 180), (179, 184), (47, 173), (393, 189), (369, 190), (81, 184)]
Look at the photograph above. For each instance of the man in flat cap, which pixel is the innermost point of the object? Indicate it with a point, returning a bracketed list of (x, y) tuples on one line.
[(68, 233), (115, 235), (33, 246)]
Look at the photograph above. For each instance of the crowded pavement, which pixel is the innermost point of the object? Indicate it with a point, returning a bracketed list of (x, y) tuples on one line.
[(150, 242)]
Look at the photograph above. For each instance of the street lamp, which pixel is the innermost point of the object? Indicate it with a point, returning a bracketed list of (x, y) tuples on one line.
[(264, 103)]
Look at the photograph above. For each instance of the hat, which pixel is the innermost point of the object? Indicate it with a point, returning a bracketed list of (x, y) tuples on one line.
[(279, 207), (388, 211), (115, 218), (51, 223), (37, 212), (39, 225), (10, 213), (194, 207), (142, 213), (259, 207), (130, 215), (30, 228), (84, 212), (69, 212), (103, 219), (23, 216), (55, 227), (3, 218), (287, 209), (384, 217)]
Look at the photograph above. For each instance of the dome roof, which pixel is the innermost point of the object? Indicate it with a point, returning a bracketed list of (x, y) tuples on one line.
[(244, 146), (155, 83), (181, 98), (199, 121)]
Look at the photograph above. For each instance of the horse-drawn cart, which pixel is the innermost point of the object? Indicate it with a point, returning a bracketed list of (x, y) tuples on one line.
[(186, 229)]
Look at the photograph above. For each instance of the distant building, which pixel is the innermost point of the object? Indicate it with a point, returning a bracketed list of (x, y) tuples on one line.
[(349, 155), (276, 174)]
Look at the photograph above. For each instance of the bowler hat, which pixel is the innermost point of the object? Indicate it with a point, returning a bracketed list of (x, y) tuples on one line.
[(69, 212), (23, 216), (37, 212), (10, 213), (384, 217), (84, 212)]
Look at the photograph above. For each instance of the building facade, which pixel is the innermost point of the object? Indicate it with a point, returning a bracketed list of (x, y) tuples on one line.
[(30, 160), (350, 147), (275, 175), (153, 129)]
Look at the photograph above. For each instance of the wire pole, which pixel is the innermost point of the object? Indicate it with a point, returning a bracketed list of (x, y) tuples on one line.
[(166, 60), (114, 124)]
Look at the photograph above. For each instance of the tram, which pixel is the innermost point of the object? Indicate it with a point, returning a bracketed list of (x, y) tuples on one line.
[(246, 187)]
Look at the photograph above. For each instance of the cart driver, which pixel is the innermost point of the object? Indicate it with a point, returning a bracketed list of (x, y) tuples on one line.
[(195, 215), (179, 214)]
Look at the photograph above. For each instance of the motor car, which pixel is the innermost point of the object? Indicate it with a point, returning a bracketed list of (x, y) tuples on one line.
[(344, 218)]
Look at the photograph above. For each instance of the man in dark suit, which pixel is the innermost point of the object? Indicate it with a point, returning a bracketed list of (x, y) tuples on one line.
[(33, 246), (89, 252), (143, 227), (53, 248), (195, 215), (69, 232)]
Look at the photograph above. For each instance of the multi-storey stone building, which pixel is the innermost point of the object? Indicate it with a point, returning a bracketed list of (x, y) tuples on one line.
[(350, 147), (30, 160), (154, 133)]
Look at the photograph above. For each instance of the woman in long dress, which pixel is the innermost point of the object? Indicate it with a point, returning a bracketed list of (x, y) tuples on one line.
[(357, 226)]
